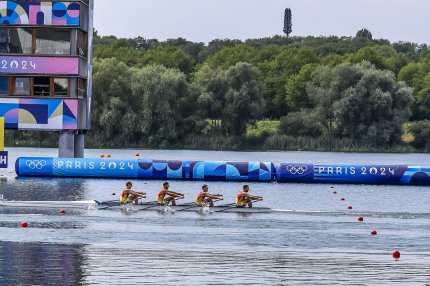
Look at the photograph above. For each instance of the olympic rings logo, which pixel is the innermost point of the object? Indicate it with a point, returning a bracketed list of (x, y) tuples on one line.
[(297, 169), (35, 164)]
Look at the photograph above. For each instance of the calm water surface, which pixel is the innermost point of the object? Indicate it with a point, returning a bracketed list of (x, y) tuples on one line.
[(321, 243)]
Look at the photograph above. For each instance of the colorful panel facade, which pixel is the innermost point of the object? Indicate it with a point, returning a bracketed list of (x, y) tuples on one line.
[(39, 114), (40, 13), (39, 65)]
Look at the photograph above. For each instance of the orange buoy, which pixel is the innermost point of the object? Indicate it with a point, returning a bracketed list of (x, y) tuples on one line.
[(102, 155), (373, 232), (396, 254), (108, 155), (342, 199), (113, 194), (62, 212), (360, 218), (24, 224), (350, 207)]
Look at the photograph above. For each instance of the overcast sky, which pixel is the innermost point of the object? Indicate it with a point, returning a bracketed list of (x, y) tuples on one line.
[(205, 20)]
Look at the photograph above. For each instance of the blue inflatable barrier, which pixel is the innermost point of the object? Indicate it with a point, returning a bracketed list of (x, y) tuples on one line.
[(223, 171), (145, 169), (353, 174)]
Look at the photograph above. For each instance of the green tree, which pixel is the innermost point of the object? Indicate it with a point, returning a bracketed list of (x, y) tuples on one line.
[(421, 132), (159, 90), (301, 123), (170, 57), (243, 99), (115, 111), (230, 56), (326, 87), (364, 33), (212, 85), (370, 54), (297, 96), (276, 73), (369, 105)]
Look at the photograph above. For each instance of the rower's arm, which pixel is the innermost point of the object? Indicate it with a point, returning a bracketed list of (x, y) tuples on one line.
[(214, 196), (174, 194)]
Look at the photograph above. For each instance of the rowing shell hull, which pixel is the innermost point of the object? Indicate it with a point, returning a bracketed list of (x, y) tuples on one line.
[(91, 205), (228, 209)]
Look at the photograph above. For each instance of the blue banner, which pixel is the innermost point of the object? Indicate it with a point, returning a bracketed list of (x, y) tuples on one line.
[(353, 174), (70, 167), (224, 171), (3, 159)]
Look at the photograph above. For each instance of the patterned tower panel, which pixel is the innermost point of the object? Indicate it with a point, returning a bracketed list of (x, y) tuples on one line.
[(40, 13)]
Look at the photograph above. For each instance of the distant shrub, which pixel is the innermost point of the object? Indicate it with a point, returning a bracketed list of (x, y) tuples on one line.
[(421, 132), (263, 128), (300, 123)]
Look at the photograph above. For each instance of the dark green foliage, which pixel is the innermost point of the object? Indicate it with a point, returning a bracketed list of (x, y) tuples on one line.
[(361, 102), (301, 123), (421, 132), (169, 93), (364, 33)]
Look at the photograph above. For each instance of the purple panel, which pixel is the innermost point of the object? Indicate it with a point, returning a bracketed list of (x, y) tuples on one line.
[(39, 65)]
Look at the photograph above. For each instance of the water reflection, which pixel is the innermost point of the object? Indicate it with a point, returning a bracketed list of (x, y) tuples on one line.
[(34, 189), (40, 264)]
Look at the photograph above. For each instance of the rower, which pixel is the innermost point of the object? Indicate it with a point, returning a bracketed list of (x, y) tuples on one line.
[(204, 197), (171, 195), (243, 198), (128, 195)]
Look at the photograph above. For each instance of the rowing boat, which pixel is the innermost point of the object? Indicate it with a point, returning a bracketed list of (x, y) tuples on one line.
[(95, 205)]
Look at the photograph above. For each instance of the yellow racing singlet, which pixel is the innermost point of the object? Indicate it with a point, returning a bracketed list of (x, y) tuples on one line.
[(124, 198), (160, 197), (239, 199), (199, 199)]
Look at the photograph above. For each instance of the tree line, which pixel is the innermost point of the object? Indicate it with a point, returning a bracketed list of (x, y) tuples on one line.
[(276, 93)]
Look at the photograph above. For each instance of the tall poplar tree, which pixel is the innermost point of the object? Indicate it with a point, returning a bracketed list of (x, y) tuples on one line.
[(288, 23)]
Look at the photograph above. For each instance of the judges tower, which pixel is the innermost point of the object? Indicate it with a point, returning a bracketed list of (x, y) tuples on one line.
[(45, 69)]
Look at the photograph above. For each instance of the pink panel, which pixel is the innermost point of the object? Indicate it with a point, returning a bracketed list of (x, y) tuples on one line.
[(39, 65), (73, 106), (59, 22), (32, 18)]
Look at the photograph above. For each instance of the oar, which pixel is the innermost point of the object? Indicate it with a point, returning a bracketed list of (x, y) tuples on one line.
[(194, 204), (234, 205), (156, 203), (108, 204)]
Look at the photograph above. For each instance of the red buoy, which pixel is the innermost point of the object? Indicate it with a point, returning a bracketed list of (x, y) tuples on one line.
[(426, 284), (396, 254), (137, 154), (360, 218), (334, 193), (62, 212), (331, 187), (102, 155), (350, 207), (373, 232), (113, 194), (24, 224), (342, 199)]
